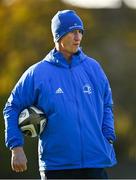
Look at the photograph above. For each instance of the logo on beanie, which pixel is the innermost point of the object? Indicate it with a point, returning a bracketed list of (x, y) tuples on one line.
[(75, 26)]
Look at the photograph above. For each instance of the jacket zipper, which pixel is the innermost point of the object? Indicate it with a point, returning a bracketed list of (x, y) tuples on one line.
[(78, 115)]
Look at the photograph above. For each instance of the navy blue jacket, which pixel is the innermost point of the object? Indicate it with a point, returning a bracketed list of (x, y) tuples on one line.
[(77, 100)]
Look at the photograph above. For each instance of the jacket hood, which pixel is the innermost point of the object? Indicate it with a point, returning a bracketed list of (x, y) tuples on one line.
[(56, 57)]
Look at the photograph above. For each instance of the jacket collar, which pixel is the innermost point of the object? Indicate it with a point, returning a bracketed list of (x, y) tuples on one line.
[(57, 58)]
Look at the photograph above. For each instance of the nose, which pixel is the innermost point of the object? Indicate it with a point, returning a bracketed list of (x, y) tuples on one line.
[(77, 36)]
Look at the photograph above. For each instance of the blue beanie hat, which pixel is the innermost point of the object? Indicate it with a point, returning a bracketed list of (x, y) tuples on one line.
[(64, 22)]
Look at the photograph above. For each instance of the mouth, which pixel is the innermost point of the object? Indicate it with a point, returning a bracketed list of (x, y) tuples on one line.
[(76, 44)]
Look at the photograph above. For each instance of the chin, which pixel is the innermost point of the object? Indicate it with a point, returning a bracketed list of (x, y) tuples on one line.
[(75, 50)]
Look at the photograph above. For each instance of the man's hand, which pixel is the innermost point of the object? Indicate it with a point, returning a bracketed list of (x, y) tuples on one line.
[(18, 159)]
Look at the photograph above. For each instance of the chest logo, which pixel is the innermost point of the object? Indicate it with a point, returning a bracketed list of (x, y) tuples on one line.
[(87, 89), (59, 91)]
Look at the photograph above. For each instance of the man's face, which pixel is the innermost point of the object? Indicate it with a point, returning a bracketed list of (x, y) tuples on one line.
[(71, 41)]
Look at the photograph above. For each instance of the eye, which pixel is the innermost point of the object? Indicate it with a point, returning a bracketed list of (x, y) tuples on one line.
[(80, 31)]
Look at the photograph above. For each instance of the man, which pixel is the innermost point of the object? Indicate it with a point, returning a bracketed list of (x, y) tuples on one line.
[(73, 91)]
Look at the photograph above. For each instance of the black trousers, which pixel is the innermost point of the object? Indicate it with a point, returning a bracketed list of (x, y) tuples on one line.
[(86, 173)]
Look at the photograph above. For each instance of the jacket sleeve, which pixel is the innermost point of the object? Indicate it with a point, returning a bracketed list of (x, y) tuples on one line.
[(108, 117), (22, 96)]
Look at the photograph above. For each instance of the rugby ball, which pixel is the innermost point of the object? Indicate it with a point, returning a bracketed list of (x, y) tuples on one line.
[(32, 121)]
